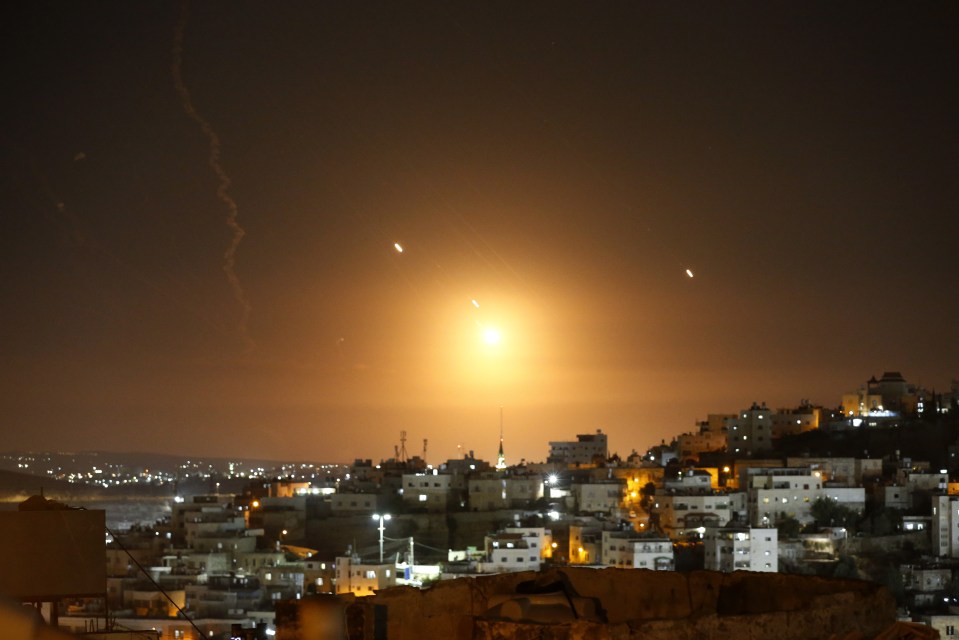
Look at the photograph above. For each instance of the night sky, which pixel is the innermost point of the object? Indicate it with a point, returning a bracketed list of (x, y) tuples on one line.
[(562, 164)]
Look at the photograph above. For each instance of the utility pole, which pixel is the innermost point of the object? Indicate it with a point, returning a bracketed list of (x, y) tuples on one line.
[(382, 518)]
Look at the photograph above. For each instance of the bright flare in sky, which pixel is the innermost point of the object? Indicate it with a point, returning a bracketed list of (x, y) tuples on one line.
[(475, 304), (689, 272), (398, 247), (491, 336)]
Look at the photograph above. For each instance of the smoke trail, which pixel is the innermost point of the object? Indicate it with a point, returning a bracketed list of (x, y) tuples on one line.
[(223, 190)]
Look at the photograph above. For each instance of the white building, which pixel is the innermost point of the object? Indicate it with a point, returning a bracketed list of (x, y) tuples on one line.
[(730, 549), (683, 514), (586, 449), (538, 538), (689, 480), (946, 625), (945, 526), (626, 549), (777, 492), (599, 497), (506, 552), (353, 576), (430, 491)]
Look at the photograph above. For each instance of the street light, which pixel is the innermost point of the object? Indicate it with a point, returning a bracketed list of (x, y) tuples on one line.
[(382, 518)]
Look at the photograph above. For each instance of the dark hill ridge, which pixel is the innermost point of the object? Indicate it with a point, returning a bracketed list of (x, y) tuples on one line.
[(23, 485)]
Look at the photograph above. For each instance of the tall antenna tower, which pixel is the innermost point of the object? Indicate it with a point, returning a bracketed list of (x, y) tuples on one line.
[(402, 455), (424, 449)]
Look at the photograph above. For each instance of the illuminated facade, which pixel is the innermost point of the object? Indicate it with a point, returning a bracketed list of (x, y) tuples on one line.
[(586, 542), (681, 516), (599, 497), (774, 493), (362, 579), (627, 550), (945, 526), (515, 549), (730, 549)]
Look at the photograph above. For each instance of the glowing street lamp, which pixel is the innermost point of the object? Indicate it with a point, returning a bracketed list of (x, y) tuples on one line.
[(382, 518)]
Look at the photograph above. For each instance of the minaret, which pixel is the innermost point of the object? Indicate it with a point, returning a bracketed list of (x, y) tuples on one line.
[(501, 458)]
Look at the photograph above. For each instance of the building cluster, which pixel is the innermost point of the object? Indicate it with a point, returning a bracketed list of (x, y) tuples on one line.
[(117, 472), (720, 498)]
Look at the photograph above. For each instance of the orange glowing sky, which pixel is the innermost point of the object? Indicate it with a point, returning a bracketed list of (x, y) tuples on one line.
[(560, 164)]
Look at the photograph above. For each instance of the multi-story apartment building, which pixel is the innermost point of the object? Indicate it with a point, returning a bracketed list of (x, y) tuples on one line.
[(586, 540), (840, 472), (586, 450), (538, 538), (773, 493), (355, 576), (750, 431), (730, 549), (945, 526), (710, 436), (627, 549), (689, 480), (681, 515), (516, 550), (353, 504), (598, 497), (206, 508), (492, 491), (430, 491), (787, 422)]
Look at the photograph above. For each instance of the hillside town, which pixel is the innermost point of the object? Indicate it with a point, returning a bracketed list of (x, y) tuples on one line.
[(809, 490)]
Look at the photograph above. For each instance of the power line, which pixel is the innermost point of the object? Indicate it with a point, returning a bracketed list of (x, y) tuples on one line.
[(154, 582)]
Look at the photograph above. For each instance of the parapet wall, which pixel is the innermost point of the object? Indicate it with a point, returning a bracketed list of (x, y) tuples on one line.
[(623, 604)]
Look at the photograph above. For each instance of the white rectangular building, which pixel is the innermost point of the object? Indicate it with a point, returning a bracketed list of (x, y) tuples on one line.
[(519, 550), (730, 549), (682, 515), (777, 492), (599, 497), (626, 549), (945, 526), (353, 576)]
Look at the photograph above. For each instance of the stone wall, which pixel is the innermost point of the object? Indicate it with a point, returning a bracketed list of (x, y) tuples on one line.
[(621, 604)]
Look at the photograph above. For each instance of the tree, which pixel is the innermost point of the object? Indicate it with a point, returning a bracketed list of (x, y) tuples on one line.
[(788, 526), (827, 513), (647, 492), (882, 521)]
